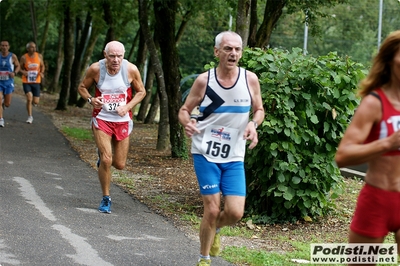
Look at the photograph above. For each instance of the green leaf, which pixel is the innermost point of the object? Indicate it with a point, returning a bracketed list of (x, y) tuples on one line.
[(273, 146), (291, 158), (281, 178), (287, 196), (287, 204), (287, 132), (306, 96), (282, 188), (307, 203), (327, 127), (296, 180), (314, 119)]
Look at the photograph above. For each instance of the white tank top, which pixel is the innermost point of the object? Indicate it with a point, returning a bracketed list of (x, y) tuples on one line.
[(224, 115), (115, 90)]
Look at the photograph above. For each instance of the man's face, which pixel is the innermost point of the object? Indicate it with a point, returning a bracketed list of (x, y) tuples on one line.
[(4, 47), (31, 48), (114, 57), (230, 51)]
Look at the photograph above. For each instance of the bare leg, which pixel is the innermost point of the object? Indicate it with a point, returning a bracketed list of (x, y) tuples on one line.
[(215, 218), (209, 222), (1, 106), (103, 142), (7, 100), (397, 237), (121, 149), (29, 98), (357, 238), (35, 100), (233, 211)]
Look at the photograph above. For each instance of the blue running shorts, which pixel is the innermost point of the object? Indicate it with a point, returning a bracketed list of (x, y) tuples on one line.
[(6, 88), (213, 178)]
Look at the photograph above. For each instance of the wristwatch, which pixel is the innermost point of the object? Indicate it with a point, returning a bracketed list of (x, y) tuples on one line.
[(255, 124), (89, 100)]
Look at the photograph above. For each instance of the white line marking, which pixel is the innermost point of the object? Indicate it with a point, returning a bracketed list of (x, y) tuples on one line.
[(144, 237), (85, 254), (7, 257), (88, 210), (29, 193), (49, 173)]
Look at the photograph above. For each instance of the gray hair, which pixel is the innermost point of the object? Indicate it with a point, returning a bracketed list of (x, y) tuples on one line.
[(113, 43), (29, 43), (218, 38)]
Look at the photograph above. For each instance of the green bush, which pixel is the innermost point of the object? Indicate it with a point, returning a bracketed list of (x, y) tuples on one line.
[(308, 102)]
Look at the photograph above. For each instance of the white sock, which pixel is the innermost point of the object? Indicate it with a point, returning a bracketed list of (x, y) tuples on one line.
[(204, 257)]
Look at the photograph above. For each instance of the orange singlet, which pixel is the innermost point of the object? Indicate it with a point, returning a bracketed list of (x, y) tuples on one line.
[(32, 65)]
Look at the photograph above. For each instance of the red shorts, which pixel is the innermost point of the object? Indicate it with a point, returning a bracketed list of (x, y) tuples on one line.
[(377, 212), (120, 130)]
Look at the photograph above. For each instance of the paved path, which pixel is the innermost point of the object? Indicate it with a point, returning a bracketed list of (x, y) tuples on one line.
[(48, 207)]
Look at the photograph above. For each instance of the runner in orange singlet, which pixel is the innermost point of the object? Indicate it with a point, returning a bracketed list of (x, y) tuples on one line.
[(32, 69)]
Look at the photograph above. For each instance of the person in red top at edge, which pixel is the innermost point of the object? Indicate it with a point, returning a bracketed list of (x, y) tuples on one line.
[(373, 137)]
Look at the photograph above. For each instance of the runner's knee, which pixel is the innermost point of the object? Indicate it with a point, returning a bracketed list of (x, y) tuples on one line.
[(119, 165), (235, 215)]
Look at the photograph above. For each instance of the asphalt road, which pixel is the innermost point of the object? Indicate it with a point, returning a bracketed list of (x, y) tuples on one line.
[(48, 207)]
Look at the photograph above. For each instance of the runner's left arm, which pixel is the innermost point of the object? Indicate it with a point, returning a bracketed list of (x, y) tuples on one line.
[(137, 85), (17, 67)]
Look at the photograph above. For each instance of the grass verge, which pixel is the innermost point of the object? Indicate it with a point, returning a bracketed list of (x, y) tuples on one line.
[(78, 133)]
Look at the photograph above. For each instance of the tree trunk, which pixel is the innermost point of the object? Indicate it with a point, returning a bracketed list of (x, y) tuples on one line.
[(45, 31), (165, 32), (81, 38), (162, 140), (251, 41), (86, 60), (152, 114), (69, 57), (272, 13), (144, 105), (243, 19), (108, 18), (33, 20), (183, 25), (134, 42), (87, 56), (141, 55), (60, 58)]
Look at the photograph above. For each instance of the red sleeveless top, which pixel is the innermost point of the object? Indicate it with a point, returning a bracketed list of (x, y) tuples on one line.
[(389, 123)]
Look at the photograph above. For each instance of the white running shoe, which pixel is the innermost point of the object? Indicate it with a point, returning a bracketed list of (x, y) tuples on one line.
[(1, 122), (29, 120)]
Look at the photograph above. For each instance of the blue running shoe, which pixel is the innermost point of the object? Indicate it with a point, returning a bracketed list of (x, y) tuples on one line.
[(105, 205), (98, 161)]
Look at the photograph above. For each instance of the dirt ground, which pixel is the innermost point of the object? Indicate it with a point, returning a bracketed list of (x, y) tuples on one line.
[(157, 175)]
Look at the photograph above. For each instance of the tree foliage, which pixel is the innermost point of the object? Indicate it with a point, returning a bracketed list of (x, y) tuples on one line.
[(351, 29), (308, 101), (273, 12)]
